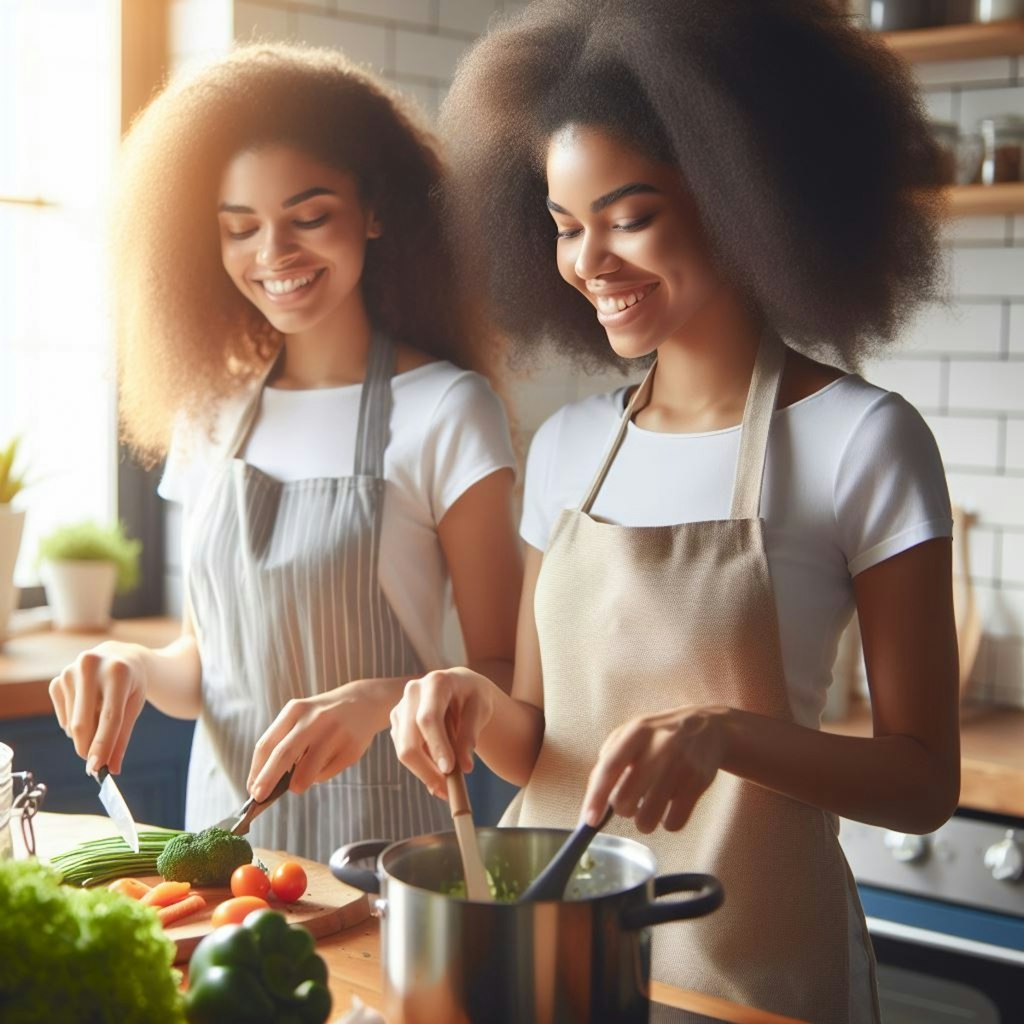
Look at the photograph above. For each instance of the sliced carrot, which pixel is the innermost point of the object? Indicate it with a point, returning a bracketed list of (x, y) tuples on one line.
[(190, 905), (131, 887), (164, 894)]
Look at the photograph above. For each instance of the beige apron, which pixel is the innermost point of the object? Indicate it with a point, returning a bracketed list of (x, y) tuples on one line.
[(633, 620)]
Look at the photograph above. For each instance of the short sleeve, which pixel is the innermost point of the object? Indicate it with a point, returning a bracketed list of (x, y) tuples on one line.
[(890, 490), (469, 439), (539, 498)]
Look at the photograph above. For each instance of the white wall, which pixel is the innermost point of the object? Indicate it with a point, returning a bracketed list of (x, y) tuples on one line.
[(962, 365)]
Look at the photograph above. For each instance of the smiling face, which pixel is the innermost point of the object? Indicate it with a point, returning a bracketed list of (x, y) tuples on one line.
[(629, 238), (293, 235)]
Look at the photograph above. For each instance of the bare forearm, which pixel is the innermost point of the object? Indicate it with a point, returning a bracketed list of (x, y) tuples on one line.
[(510, 742), (174, 677), (893, 781)]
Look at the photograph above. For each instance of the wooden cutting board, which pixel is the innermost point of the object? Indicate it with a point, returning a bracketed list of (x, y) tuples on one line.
[(327, 906)]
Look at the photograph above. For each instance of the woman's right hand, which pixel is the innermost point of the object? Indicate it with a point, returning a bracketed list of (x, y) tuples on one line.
[(437, 722), (98, 698)]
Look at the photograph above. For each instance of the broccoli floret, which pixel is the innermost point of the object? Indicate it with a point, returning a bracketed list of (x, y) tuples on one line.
[(204, 858)]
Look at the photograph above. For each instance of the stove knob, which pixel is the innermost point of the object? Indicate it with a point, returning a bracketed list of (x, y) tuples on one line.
[(1005, 859), (906, 847)]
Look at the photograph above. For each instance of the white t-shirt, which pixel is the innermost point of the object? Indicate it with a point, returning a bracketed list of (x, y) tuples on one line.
[(853, 477), (448, 432)]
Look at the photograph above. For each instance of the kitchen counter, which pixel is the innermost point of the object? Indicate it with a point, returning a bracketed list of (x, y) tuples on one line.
[(353, 956), (992, 738), (991, 754), (29, 661)]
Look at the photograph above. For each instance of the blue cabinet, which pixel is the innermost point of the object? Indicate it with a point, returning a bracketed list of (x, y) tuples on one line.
[(152, 778)]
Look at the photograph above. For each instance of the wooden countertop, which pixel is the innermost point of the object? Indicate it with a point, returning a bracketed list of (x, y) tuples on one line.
[(30, 660), (353, 956), (992, 738), (991, 754)]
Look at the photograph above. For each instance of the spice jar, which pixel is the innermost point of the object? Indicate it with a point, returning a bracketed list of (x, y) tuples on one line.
[(947, 138), (997, 10), (1003, 149)]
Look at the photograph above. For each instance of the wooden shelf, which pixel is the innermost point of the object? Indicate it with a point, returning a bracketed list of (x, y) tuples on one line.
[(983, 200), (959, 42)]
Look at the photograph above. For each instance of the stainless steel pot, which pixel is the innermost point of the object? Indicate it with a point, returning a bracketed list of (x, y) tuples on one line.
[(584, 958)]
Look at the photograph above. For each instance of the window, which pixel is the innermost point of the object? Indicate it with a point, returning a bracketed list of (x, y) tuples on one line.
[(61, 108)]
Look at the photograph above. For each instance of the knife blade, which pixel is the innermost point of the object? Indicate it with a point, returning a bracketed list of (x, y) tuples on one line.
[(117, 809), (239, 822)]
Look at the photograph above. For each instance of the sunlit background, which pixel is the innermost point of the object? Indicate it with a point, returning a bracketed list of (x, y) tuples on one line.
[(59, 79)]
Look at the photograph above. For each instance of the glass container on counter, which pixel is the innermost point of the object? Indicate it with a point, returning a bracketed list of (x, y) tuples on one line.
[(1002, 149), (6, 801), (997, 10)]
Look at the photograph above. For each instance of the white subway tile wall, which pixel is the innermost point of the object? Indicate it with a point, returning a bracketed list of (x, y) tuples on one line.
[(962, 363)]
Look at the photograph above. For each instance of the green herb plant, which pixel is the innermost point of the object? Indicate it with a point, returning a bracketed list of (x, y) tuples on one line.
[(73, 955), (11, 483), (90, 542)]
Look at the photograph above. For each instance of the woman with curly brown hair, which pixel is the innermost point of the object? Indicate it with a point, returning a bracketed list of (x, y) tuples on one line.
[(710, 177), (284, 298)]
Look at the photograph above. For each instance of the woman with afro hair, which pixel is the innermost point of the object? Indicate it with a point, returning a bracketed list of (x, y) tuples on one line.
[(729, 191), (285, 300)]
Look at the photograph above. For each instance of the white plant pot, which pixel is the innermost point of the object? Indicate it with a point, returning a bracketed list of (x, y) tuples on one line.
[(11, 525), (80, 593)]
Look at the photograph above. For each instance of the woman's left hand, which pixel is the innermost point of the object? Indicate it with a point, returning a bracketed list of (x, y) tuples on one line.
[(655, 767), (321, 735)]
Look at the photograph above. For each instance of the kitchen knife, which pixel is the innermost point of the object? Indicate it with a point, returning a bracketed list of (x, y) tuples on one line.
[(110, 797), (240, 821)]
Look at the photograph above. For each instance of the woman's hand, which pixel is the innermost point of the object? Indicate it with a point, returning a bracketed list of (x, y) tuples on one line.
[(98, 698), (456, 700), (321, 735), (654, 768)]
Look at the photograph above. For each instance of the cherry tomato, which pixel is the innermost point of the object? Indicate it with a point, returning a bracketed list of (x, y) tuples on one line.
[(288, 881), (250, 880), (235, 911)]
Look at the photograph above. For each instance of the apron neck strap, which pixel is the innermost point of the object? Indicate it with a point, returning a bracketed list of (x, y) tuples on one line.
[(757, 418), (640, 398), (248, 417), (374, 408)]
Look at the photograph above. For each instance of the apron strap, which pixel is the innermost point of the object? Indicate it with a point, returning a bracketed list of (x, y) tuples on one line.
[(757, 419), (375, 407), (252, 408), (640, 398)]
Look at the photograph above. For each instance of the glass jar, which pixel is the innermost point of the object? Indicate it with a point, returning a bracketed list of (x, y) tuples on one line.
[(947, 138), (1003, 149), (6, 801), (997, 10)]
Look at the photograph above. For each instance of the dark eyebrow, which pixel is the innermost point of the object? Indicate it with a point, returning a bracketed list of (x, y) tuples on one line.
[(633, 188), (299, 197)]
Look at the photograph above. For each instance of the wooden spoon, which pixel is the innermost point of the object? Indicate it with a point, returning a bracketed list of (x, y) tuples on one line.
[(465, 831)]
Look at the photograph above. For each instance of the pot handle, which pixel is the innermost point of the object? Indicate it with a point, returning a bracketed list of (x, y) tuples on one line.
[(345, 871), (710, 898)]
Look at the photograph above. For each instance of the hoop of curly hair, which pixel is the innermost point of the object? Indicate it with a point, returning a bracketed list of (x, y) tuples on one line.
[(801, 138)]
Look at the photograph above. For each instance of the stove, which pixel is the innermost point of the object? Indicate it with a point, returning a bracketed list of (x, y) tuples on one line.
[(946, 917)]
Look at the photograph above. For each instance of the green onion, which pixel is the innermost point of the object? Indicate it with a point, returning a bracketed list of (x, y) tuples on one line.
[(103, 860)]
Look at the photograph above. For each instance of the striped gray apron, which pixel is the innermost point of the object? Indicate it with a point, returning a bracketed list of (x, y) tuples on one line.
[(284, 588)]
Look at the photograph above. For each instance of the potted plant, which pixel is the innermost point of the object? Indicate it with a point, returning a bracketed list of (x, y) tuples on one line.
[(82, 565), (12, 521)]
